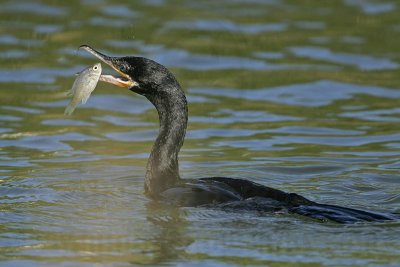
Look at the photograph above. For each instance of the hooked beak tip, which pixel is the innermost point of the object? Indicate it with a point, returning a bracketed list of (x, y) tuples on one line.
[(106, 59), (86, 47), (82, 46)]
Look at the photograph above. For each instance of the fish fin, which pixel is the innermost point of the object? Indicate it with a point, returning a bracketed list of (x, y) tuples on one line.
[(79, 72), (69, 109), (70, 92)]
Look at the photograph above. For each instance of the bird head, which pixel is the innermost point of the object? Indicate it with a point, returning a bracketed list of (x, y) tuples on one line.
[(138, 74)]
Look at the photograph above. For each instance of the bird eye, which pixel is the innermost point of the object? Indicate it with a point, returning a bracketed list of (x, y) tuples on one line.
[(123, 68), (95, 67)]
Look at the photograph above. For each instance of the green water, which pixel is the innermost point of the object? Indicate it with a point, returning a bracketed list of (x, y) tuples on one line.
[(298, 95)]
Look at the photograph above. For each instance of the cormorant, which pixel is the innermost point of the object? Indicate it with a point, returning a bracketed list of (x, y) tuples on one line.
[(162, 180)]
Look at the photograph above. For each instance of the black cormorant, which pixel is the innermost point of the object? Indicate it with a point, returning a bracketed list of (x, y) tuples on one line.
[(163, 182)]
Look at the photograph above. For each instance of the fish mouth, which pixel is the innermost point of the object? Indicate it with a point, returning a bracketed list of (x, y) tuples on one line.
[(124, 81)]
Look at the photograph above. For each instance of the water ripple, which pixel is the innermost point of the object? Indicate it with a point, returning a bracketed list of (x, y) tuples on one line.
[(63, 122), (118, 11), (228, 116), (8, 39), (31, 7), (375, 115), (208, 133), (107, 22), (14, 53), (23, 109), (286, 142), (226, 25), (54, 142), (315, 94), (134, 136), (118, 103), (315, 131), (36, 75), (184, 59), (123, 121), (372, 7), (363, 62)]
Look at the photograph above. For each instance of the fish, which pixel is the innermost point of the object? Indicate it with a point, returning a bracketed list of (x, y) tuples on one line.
[(83, 86)]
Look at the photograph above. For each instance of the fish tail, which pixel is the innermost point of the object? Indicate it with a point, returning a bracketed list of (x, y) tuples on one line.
[(69, 109)]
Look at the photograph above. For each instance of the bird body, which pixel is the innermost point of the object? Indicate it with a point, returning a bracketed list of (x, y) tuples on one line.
[(162, 180)]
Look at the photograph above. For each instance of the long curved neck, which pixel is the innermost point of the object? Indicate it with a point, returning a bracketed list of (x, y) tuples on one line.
[(162, 167)]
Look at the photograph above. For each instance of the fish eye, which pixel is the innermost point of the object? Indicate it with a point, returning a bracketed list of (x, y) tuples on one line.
[(95, 67)]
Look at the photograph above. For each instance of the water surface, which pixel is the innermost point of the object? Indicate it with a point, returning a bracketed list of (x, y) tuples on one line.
[(303, 97)]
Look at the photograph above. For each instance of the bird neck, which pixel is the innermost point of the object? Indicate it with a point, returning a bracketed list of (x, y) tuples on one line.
[(162, 167)]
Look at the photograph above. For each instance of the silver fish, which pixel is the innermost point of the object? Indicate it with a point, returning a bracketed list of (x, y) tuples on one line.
[(83, 86)]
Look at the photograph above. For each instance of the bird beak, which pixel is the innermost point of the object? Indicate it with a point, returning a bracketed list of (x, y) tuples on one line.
[(114, 62)]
